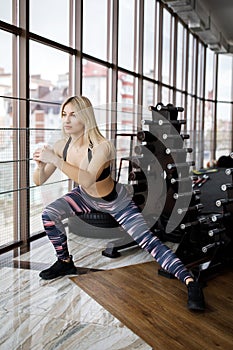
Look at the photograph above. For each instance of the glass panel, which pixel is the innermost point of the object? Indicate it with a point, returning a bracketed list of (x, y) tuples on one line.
[(126, 41), (149, 94), (208, 133), (200, 75), (95, 82), (50, 18), (149, 39), (209, 81), (166, 96), (95, 22), (166, 50), (224, 129), (126, 90), (45, 128), (8, 171), (198, 135), (180, 102), (5, 64), (180, 69), (49, 73), (127, 116), (225, 68), (6, 11), (190, 120), (191, 64)]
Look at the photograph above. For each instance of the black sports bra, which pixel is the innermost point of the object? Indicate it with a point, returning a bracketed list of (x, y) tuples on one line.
[(106, 171)]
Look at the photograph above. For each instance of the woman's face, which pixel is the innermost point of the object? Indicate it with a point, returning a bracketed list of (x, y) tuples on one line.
[(72, 123)]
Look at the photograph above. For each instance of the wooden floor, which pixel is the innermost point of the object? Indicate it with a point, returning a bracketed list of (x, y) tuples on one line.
[(154, 307)]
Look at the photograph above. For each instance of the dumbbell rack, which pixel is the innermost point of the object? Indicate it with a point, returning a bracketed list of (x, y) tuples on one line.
[(165, 140), (164, 191), (201, 237)]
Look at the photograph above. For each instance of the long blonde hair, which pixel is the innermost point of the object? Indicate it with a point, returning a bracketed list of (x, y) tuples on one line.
[(84, 110)]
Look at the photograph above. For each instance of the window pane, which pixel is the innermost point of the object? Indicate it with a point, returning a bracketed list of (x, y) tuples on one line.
[(95, 82), (208, 132), (129, 114), (149, 94), (50, 18), (224, 92), (127, 117), (191, 64), (180, 57), (48, 72), (149, 39), (209, 81), (5, 63), (166, 50), (126, 41), (8, 171), (95, 28), (180, 102), (200, 75), (166, 96), (198, 135), (6, 11), (224, 129), (190, 120), (126, 86), (45, 128)]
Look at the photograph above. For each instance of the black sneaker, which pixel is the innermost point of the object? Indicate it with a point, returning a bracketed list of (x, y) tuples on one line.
[(196, 299), (59, 268)]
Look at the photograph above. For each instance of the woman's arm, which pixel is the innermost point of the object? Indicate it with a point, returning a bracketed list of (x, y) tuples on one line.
[(43, 170), (86, 178), (42, 173)]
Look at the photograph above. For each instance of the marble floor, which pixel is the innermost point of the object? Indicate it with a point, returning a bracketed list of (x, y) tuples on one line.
[(57, 314)]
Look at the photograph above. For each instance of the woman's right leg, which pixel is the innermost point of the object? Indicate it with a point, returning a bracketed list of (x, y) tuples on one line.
[(53, 215)]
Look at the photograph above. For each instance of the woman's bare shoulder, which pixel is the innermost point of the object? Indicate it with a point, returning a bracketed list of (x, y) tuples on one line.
[(105, 148), (59, 146)]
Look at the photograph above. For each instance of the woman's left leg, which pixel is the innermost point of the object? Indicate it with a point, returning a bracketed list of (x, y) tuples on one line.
[(131, 219), (133, 222)]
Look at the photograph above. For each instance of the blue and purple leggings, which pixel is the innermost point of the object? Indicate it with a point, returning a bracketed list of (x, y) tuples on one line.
[(125, 212)]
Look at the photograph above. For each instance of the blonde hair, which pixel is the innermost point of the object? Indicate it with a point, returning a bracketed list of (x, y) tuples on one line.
[(84, 110)]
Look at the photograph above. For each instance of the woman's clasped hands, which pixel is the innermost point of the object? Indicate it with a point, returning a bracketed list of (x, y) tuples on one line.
[(44, 154)]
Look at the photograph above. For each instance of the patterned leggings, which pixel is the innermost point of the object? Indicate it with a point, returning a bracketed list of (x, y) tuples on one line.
[(125, 212)]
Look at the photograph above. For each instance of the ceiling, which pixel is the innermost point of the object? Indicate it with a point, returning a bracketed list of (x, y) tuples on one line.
[(211, 20)]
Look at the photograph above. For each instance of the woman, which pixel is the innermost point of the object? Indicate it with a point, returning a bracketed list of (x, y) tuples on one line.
[(85, 156)]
